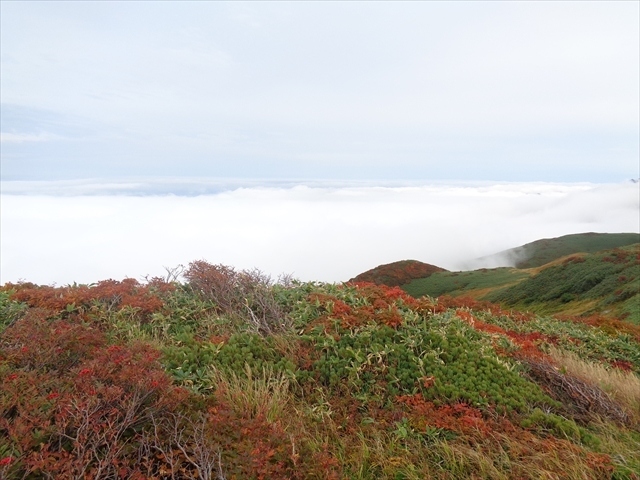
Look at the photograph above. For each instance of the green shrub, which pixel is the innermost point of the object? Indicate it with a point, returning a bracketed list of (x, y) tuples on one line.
[(554, 424), (10, 310)]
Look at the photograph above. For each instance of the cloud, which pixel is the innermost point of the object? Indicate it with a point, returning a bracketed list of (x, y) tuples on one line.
[(7, 137), (320, 232)]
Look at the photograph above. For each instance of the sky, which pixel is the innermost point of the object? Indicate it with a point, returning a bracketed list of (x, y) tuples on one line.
[(495, 91), (318, 139)]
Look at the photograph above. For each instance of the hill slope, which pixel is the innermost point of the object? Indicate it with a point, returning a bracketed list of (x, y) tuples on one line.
[(230, 376), (605, 283), (474, 283), (397, 273), (541, 252)]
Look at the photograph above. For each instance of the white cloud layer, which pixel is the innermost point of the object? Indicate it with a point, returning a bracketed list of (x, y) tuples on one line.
[(325, 233)]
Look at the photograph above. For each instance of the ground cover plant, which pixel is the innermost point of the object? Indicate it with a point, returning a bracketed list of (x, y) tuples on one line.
[(541, 252), (226, 374), (474, 283), (397, 273), (605, 283)]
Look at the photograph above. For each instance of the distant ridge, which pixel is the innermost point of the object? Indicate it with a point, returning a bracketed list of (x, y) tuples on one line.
[(397, 273), (541, 252)]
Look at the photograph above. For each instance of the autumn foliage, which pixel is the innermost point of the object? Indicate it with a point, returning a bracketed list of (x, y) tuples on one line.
[(397, 273), (231, 376)]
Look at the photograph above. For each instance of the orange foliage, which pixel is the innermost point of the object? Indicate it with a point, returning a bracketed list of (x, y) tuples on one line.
[(79, 299), (528, 342), (609, 325), (384, 304), (459, 417), (446, 301), (385, 294)]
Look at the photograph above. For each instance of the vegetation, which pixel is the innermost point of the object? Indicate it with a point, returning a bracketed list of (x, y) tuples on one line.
[(397, 273), (475, 283), (229, 375), (541, 252), (605, 283)]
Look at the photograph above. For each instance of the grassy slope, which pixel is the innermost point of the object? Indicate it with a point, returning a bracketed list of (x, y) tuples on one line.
[(543, 251), (475, 284), (308, 381), (606, 282)]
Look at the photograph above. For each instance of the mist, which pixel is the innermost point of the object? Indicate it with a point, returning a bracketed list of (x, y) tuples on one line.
[(53, 233)]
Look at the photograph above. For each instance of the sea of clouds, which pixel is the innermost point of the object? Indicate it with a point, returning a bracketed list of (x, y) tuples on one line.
[(86, 231)]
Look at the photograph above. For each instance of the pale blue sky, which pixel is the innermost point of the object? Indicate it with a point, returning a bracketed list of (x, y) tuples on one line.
[(504, 91)]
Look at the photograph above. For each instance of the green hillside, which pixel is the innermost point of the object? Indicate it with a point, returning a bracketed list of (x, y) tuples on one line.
[(228, 375), (606, 282), (543, 251), (475, 283)]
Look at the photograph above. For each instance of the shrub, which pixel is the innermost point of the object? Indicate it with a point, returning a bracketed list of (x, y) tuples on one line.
[(554, 424), (583, 399), (247, 295), (72, 405), (105, 296), (10, 310)]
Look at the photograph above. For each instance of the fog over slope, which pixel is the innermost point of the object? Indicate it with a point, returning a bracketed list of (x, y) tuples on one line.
[(88, 231)]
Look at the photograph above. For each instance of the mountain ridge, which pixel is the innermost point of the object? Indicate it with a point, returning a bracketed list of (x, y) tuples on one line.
[(571, 274)]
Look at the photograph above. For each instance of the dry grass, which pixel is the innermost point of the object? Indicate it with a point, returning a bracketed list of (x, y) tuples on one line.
[(252, 395), (621, 386), (553, 263)]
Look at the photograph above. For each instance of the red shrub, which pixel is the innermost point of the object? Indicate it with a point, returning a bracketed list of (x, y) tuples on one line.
[(79, 299)]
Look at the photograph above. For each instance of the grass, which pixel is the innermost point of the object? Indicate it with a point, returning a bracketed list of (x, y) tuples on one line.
[(464, 283), (620, 385), (605, 282), (366, 383), (254, 394), (541, 252)]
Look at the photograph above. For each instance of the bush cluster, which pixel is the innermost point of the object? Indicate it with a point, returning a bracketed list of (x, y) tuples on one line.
[(354, 381), (258, 352), (441, 357), (247, 295)]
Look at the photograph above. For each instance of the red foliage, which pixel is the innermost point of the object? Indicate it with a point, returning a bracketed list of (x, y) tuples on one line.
[(383, 306), (397, 273), (528, 342), (622, 365), (58, 345), (73, 406), (80, 299), (617, 256), (256, 448), (459, 417), (609, 325), (446, 302)]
